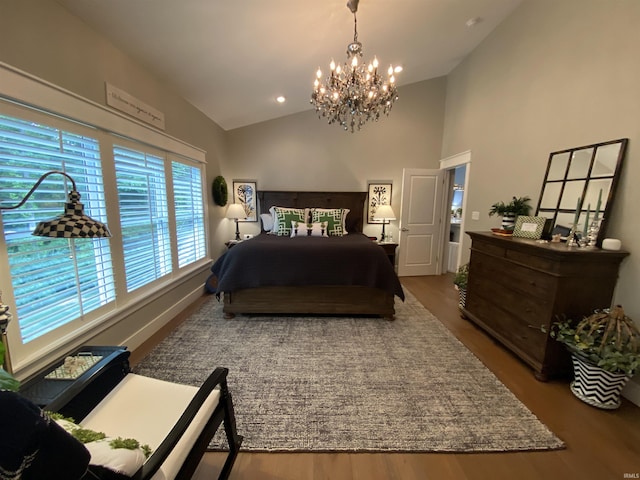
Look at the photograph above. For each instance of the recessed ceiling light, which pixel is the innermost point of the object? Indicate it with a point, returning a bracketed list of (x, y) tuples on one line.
[(281, 99), (472, 22)]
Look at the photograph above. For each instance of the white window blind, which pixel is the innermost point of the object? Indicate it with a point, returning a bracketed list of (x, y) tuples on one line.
[(144, 215), (55, 280), (189, 211)]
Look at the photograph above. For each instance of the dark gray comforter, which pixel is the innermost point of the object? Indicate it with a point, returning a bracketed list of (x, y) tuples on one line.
[(270, 260)]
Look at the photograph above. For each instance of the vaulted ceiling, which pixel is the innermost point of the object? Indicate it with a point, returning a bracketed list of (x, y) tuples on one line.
[(232, 58)]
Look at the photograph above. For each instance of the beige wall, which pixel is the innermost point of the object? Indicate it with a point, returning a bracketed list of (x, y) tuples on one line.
[(554, 75), (302, 152), (43, 39)]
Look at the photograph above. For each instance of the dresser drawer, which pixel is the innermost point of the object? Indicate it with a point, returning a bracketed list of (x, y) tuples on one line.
[(522, 308), (519, 327), (533, 261), (519, 280)]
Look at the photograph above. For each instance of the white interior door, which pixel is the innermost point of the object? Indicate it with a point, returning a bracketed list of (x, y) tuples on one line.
[(421, 222)]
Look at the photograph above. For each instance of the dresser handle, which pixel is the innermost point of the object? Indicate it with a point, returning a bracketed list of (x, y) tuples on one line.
[(541, 328)]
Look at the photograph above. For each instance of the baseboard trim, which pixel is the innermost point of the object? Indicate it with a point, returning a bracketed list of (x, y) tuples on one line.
[(139, 337), (632, 392)]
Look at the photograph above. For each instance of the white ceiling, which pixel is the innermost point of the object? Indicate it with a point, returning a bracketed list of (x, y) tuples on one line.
[(232, 58)]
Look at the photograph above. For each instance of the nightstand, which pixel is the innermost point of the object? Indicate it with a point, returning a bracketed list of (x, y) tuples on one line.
[(390, 250), (231, 243)]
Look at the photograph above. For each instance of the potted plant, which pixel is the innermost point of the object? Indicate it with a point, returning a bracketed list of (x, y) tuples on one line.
[(509, 211), (7, 381), (605, 354), (460, 281)]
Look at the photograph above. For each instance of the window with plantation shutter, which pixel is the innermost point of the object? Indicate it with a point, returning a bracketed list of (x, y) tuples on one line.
[(55, 280), (144, 215), (189, 211), (145, 185)]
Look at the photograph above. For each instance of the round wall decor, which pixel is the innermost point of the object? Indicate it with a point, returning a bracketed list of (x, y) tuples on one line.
[(219, 191)]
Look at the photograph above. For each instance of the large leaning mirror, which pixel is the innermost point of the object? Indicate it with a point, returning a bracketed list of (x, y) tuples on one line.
[(582, 180)]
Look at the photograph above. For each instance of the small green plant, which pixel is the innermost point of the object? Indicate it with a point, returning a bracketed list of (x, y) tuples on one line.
[(607, 338), (7, 381), (517, 206), (462, 277), (85, 435)]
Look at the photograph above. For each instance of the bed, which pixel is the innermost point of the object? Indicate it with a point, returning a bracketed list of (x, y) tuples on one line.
[(270, 274)]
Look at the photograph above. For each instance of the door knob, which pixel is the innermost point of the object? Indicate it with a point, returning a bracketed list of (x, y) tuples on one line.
[(403, 229)]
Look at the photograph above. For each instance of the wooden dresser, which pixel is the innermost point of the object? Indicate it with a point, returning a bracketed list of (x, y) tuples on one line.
[(518, 288)]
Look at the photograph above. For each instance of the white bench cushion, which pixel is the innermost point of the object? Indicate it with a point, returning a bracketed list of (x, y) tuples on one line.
[(146, 409)]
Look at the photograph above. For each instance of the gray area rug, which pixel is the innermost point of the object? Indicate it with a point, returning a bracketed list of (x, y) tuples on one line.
[(350, 384)]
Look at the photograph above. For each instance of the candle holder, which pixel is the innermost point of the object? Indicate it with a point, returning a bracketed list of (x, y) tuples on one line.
[(594, 230), (573, 239)]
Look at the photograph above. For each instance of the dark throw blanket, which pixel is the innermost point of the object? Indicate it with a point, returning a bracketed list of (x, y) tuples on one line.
[(270, 260)]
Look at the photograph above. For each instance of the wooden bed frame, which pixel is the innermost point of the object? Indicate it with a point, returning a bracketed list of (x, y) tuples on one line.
[(321, 299)]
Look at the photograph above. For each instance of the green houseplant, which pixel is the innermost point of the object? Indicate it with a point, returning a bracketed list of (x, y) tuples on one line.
[(605, 351), (7, 381), (509, 211)]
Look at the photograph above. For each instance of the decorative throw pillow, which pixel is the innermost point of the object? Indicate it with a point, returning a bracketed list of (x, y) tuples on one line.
[(335, 218), (300, 229), (114, 458), (267, 222), (284, 216)]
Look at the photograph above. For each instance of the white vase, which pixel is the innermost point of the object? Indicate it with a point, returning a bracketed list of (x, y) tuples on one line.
[(508, 221)]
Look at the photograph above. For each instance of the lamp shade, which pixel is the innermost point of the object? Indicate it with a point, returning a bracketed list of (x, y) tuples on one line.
[(73, 223), (236, 211), (384, 212)]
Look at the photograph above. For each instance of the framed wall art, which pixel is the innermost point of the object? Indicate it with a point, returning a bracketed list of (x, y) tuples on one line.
[(379, 194), (244, 193)]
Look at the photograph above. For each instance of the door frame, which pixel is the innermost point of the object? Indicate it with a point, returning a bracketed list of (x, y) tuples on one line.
[(449, 164)]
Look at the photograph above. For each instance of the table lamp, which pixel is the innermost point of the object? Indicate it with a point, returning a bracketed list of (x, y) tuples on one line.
[(236, 211), (386, 214)]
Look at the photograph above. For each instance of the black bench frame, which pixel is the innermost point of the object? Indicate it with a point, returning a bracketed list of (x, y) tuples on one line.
[(86, 394)]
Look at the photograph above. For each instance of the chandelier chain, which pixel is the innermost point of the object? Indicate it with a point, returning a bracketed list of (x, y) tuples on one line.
[(355, 28)]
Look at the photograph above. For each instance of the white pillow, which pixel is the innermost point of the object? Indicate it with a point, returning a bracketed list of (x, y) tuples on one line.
[(299, 229), (267, 222), (122, 460)]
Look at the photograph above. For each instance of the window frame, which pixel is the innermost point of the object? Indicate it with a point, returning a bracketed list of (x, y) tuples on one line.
[(19, 92)]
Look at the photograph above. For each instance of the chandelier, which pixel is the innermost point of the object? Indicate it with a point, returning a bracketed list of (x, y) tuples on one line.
[(354, 94)]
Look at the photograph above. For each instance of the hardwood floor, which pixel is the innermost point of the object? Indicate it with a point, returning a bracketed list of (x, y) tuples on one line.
[(601, 445)]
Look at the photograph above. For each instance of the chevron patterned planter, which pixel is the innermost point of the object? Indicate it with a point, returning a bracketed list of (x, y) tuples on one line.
[(462, 299), (596, 386)]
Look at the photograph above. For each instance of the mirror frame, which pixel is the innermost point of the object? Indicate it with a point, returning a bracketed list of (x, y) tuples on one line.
[(553, 206)]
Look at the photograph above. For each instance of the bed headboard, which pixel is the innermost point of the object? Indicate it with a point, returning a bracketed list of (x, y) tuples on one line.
[(354, 201)]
